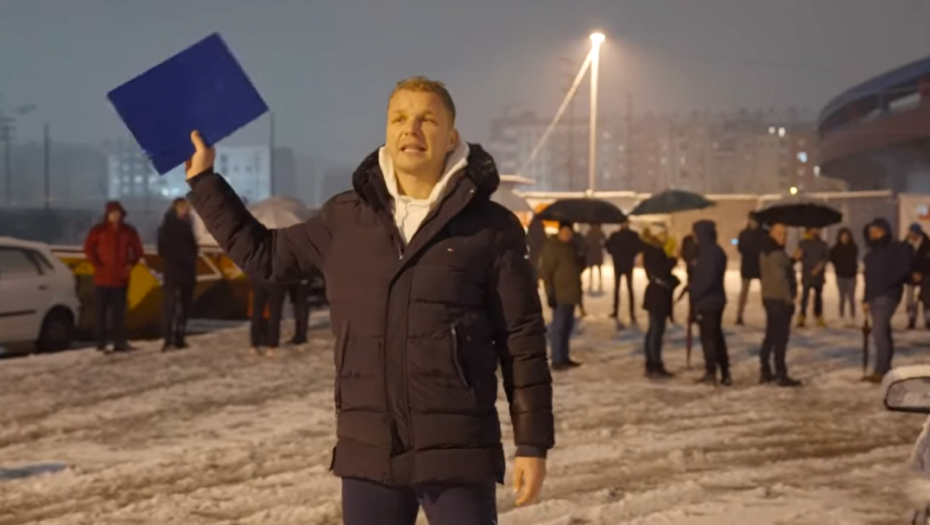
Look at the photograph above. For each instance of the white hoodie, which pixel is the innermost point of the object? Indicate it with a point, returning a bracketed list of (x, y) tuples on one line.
[(409, 213)]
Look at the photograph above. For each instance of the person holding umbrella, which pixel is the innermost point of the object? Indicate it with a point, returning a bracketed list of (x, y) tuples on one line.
[(845, 259), (750, 247), (709, 299), (779, 291), (658, 300), (624, 245), (887, 269), (815, 254), (560, 269)]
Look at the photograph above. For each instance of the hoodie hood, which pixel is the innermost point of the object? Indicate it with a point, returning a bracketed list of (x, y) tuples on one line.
[(839, 236), (479, 171), (113, 206), (705, 232), (884, 241)]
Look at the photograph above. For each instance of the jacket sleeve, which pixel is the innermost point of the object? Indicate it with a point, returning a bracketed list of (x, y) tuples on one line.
[(162, 244), (276, 255), (90, 248), (519, 335), (702, 278)]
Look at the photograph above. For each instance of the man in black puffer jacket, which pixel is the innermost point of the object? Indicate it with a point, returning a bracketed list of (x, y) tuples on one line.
[(887, 269), (709, 298), (177, 247)]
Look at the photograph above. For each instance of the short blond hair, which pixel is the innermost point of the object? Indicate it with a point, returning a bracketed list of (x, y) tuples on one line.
[(427, 85)]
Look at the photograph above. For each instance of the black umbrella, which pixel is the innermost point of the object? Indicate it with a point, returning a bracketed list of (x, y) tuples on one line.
[(799, 212), (671, 201), (586, 211)]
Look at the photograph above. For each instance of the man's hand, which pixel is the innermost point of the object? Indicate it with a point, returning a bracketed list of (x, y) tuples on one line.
[(203, 157), (917, 277), (528, 477)]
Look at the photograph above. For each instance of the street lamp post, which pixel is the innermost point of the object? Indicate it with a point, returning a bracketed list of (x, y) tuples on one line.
[(596, 40)]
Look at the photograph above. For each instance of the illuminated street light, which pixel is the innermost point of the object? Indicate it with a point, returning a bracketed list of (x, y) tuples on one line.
[(772, 130), (781, 132), (596, 40), (793, 190), (802, 156)]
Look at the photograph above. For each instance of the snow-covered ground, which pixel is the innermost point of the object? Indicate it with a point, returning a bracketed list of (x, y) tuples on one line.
[(211, 435)]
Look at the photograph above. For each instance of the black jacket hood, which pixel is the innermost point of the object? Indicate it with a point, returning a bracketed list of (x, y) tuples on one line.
[(705, 232)]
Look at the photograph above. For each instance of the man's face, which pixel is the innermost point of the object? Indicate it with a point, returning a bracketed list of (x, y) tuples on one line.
[(913, 237), (876, 233), (115, 216), (566, 234), (779, 234), (420, 133), (182, 208)]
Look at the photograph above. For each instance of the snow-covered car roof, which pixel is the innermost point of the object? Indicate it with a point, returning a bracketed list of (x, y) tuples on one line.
[(21, 243)]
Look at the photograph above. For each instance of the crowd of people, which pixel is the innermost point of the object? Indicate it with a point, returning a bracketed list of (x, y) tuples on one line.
[(792, 285), (114, 247)]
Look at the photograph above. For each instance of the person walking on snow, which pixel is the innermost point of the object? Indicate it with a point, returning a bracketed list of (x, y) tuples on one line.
[(299, 294), (658, 299), (113, 248), (750, 247), (265, 332), (624, 245), (560, 269), (815, 254), (779, 291), (178, 249), (845, 259), (430, 293), (887, 269), (920, 268), (709, 298), (594, 256)]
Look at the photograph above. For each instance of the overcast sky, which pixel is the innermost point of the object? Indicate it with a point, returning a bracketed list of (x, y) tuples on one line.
[(326, 67)]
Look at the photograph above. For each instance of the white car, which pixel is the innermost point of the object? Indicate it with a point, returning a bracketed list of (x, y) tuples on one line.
[(38, 297)]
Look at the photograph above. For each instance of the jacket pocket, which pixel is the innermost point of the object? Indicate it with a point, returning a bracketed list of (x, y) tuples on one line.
[(342, 343), (456, 356)]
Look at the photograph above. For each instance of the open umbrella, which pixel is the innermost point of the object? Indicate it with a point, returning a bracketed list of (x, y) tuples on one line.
[(280, 212), (671, 201), (799, 212), (586, 211)]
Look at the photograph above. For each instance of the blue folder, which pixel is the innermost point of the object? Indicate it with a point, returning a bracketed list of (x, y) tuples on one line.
[(201, 88)]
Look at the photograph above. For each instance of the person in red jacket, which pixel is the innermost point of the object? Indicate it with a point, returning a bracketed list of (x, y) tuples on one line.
[(113, 247)]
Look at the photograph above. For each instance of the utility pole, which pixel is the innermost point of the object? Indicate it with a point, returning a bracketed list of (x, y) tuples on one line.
[(46, 163), (271, 181), (6, 134), (629, 139)]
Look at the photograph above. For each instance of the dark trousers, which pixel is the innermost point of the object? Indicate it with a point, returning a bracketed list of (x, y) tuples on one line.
[(777, 332), (818, 299), (299, 295), (847, 288), (267, 332), (654, 338), (713, 344), (110, 301), (177, 307), (560, 332), (629, 287), (882, 310), (369, 503)]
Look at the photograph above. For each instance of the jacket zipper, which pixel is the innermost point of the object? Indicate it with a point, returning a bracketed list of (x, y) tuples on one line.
[(455, 356)]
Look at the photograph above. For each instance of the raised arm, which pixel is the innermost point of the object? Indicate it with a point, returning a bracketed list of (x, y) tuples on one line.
[(283, 255)]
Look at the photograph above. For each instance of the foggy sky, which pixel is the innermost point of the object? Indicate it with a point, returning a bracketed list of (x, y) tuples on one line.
[(326, 67)]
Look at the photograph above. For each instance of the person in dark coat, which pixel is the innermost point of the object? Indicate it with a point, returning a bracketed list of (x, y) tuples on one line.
[(535, 239), (815, 254), (177, 247), (113, 248), (265, 332), (750, 247), (624, 245), (887, 269), (845, 259), (920, 269), (594, 256), (658, 299), (779, 292), (430, 293), (709, 298), (560, 269), (299, 295)]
